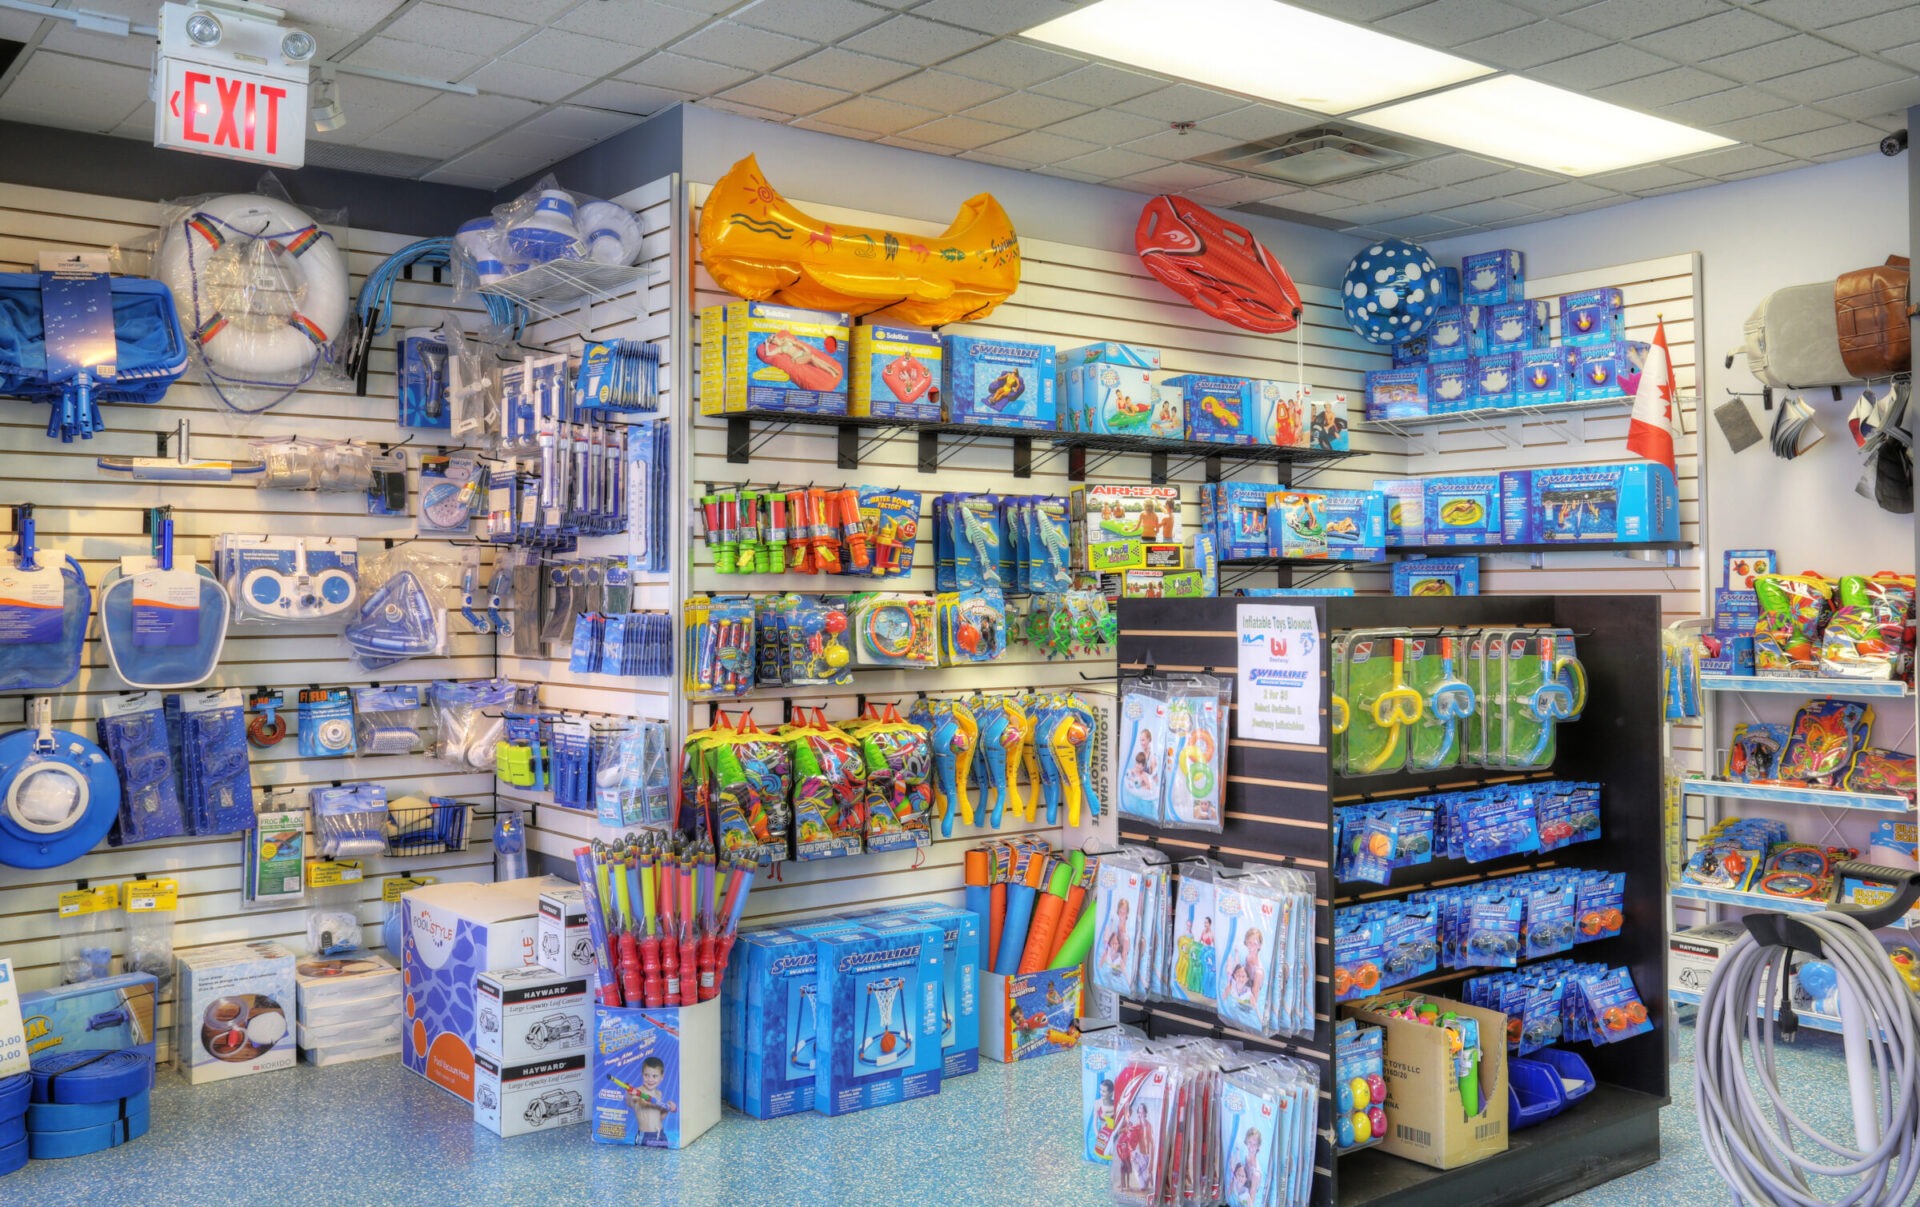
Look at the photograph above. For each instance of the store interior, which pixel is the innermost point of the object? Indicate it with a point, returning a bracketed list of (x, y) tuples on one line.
[(1395, 686)]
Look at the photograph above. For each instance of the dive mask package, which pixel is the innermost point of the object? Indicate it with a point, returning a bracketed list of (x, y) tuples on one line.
[(133, 732), (44, 608), (281, 580)]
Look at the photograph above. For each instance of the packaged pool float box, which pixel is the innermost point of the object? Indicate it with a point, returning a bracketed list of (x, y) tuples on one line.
[(1217, 409), (895, 372), (998, 383), (1462, 510), (1634, 502), (1398, 393), (756, 356), (1107, 389), (1338, 525)]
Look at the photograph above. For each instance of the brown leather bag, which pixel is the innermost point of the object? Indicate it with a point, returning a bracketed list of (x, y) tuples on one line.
[(1870, 305)]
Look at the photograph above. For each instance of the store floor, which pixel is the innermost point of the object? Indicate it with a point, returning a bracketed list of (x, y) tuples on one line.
[(374, 1134)]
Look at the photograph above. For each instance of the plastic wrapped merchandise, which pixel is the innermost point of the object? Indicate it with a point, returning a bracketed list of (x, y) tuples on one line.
[(150, 907), (611, 231), (350, 821), (86, 922), (333, 924)]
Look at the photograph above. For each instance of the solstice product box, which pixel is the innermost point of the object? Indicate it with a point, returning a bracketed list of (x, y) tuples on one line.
[(1450, 387), (1605, 370), (652, 1074), (1113, 525), (1434, 576), (451, 933), (1517, 326), (1463, 510), (1217, 409), (1638, 501), (1406, 510), (543, 1095), (759, 356), (1107, 389), (1455, 333), (998, 383), (1338, 525), (230, 1010), (895, 372), (1542, 376), (1397, 393), (1494, 379), (879, 993), (1596, 316), (566, 944), (1488, 278), (528, 1013)]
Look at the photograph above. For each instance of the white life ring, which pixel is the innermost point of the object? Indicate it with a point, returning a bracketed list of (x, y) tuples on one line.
[(261, 288)]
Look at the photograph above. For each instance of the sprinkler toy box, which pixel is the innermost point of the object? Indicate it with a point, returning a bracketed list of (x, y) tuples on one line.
[(896, 373), (653, 1074), (1488, 278), (526, 1014), (565, 941), (1398, 393), (233, 1011), (1337, 525), (1107, 389), (1431, 576), (1456, 333), (1462, 510), (1030, 1014), (878, 989), (1518, 326), (451, 933), (104, 1014), (1597, 316), (1217, 408), (1112, 526), (544, 1095), (1638, 501), (759, 356), (998, 383), (1543, 376), (1451, 387)]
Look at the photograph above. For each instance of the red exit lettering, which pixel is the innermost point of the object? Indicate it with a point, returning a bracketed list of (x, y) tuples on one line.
[(237, 123)]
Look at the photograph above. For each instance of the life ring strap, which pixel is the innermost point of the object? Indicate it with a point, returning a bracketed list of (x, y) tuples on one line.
[(307, 327)]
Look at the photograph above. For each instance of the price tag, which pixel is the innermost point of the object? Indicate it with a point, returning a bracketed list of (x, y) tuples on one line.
[(152, 896), (394, 887), (325, 873)]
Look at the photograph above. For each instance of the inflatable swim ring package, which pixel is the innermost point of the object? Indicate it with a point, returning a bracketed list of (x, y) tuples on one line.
[(1195, 753), (544, 224), (261, 288), (44, 606)]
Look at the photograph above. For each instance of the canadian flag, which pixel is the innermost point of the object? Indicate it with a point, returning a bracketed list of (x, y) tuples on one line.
[(1651, 431)]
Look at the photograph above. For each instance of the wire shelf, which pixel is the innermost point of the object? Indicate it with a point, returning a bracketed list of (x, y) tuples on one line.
[(552, 289), (434, 829)]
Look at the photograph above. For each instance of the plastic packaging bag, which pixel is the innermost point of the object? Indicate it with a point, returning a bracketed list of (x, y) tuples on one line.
[(349, 822), (150, 908)]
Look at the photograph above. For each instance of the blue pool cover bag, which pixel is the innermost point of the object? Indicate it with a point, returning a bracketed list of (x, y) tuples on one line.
[(41, 641), (152, 350)]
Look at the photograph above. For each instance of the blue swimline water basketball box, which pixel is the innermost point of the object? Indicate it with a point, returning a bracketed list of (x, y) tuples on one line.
[(769, 1036), (879, 992), (960, 976)]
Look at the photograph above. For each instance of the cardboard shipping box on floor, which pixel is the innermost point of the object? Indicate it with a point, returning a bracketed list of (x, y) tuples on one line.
[(1426, 1121)]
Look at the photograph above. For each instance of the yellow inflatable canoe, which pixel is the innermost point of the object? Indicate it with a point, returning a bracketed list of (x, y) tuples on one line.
[(761, 247)]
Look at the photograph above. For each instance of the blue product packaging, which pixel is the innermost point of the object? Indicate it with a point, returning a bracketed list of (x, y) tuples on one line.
[(1516, 508), (1281, 413), (1235, 513), (1397, 394), (1456, 333), (896, 373), (1488, 278), (1517, 326), (1463, 510), (879, 991), (1745, 565), (1450, 387), (1327, 423), (1596, 316), (1216, 408), (1410, 352), (1107, 389), (1427, 576), (759, 356), (1638, 501), (770, 1035), (1542, 377), (960, 994), (1605, 370), (103, 1014), (1406, 510), (1447, 288), (1735, 658), (645, 1068), (1337, 525), (1732, 603), (1495, 378), (421, 380), (998, 383)]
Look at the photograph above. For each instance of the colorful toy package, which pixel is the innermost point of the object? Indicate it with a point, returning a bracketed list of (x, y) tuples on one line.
[(1881, 771), (1462, 510), (1518, 326), (1282, 411), (1114, 525), (1754, 756), (896, 372), (1605, 370), (1398, 393), (1793, 613), (1488, 278), (1742, 567), (1031, 1014), (1339, 525), (1870, 635), (998, 383), (1638, 501), (1825, 737), (1431, 576), (1456, 333), (1107, 388), (1451, 387), (1542, 377), (1217, 409), (1597, 316), (1103, 1053), (639, 1094), (759, 356), (878, 990), (1406, 510), (1235, 513)]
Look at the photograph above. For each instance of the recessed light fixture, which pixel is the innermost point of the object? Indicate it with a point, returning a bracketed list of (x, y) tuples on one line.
[(1261, 48), (1536, 124)]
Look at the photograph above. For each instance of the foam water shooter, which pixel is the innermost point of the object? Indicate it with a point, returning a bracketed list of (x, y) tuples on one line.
[(1026, 874), (1082, 870), (1048, 909)]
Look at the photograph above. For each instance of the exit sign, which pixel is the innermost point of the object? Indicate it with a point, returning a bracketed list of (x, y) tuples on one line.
[(239, 98)]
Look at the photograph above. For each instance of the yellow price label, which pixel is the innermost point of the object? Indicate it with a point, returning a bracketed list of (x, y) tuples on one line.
[(324, 873), (81, 902), (395, 887), (152, 896)]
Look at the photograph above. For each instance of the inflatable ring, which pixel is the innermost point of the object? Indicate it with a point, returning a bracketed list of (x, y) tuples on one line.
[(261, 289)]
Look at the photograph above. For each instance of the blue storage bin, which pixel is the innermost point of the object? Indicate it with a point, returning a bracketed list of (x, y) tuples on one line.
[(1544, 1084)]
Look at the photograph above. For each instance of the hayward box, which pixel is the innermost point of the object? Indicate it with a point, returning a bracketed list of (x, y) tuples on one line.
[(566, 945), (528, 1013), (545, 1095)]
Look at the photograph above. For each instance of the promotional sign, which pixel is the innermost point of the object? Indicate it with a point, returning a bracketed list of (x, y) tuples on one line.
[(1279, 689), (13, 1037)]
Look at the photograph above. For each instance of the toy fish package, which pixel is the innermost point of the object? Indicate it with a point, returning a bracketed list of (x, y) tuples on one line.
[(1826, 736), (1793, 611)]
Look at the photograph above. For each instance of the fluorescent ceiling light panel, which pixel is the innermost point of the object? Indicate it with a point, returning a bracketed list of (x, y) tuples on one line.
[(1536, 124), (1260, 48)]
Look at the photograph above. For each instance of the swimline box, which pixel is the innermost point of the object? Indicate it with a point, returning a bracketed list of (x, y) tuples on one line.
[(1397, 393), (1031, 1014), (1216, 407), (654, 1075), (894, 372), (1596, 316), (960, 967), (1542, 377), (998, 383), (1637, 501), (1338, 525), (233, 1011), (759, 356), (545, 1095), (1113, 525), (1429, 576), (1450, 387), (1406, 510), (1517, 326), (566, 944), (1235, 512), (1488, 278), (529, 1013), (1107, 389), (770, 1032), (878, 990), (1455, 333), (1463, 510)]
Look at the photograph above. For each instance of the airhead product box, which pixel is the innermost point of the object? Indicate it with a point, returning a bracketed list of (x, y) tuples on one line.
[(1517, 326), (1235, 512), (565, 943), (1113, 525), (1107, 389), (1488, 278), (1281, 413), (1455, 333), (1463, 510), (879, 991), (450, 934), (895, 373), (1450, 387), (1216, 408), (1164, 584), (1596, 316), (1638, 501), (1338, 525), (1406, 510), (107, 1013), (770, 1032), (544, 1095), (1494, 379), (1031, 1014), (998, 383), (232, 1011), (527, 1013), (1397, 393), (960, 978), (763, 357), (653, 1074), (1431, 576), (1543, 376), (1605, 370)]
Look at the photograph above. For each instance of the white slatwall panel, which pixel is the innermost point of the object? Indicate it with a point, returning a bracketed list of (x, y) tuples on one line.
[(1069, 295), (97, 518)]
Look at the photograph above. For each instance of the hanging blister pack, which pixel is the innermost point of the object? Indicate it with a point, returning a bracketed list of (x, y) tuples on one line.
[(349, 821), (1194, 976), (422, 379), (333, 924), (468, 721), (326, 722), (284, 579), (1196, 753), (453, 489), (273, 868), (215, 764), (619, 375), (1142, 749), (133, 732), (1126, 931), (634, 786), (150, 906)]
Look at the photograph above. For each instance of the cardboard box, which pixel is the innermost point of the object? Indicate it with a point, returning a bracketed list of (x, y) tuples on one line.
[(998, 383), (1488, 278), (451, 934), (1339, 525), (879, 992), (960, 970), (1327, 424), (1235, 514), (515, 1100), (1410, 352), (1542, 377), (1397, 393), (1517, 525), (231, 1011), (1114, 525), (1217, 409), (895, 372), (1107, 388), (1518, 326), (376, 1045), (1163, 584), (1596, 316), (376, 1026), (1637, 501), (565, 943), (1434, 576), (529, 1014), (1496, 379), (1605, 370), (356, 989), (1455, 333), (1282, 413), (105, 1014), (770, 1032), (1406, 510), (1450, 387), (759, 356), (1428, 1123), (1694, 955), (1030, 1015), (1446, 288), (1463, 510), (655, 1074)]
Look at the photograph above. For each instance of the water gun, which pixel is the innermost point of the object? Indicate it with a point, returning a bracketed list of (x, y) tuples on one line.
[(1047, 910), (1463, 1044)]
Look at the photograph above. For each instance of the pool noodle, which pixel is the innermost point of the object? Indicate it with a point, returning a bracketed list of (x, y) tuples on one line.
[(1013, 935), (1046, 919), (1073, 952), (979, 900)]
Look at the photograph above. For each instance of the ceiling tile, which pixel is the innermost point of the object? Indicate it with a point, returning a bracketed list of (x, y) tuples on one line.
[(416, 134), (1887, 100), (1098, 84), (1424, 226), (742, 46), (562, 51), (790, 97), (1183, 103), (768, 115), (1887, 122), (1721, 33), (1617, 199), (1027, 110), (1662, 88), (1238, 191), (1500, 209), (1108, 127), (623, 97), (819, 20), (1599, 68), (1451, 22), (1559, 196), (475, 33), (508, 78), (1047, 169), (1378, 187), (876, 115), (1260, 121), (635, 22), (1378, 211), (1012, 63), (824, 127), (1551, 8), (1515, 180), (373, 104), (960, 133), (1683, 187), (995, 16), (337, 11), (1307, 201), (1906, 56), (837, 68), (1641, 180), (1178, 177), (1852, 153), (1718, 107), (1834, 79), (712, 6), (1724, 163), (19, 27), (1763, 63), (941, 90), (1181, 144), (1638, 18), (571, 121), (111, 48), (467, 179), (468, 119), (73, 94), (914, 144), (1531, 45), (1042, 147), (1896, 28), (998, 161), (1449, 169), (915, 41), (697, 77), (1359, 12), (1779, 124), (1113, 162), (414, 58), (1820, 14), (1825, 142)]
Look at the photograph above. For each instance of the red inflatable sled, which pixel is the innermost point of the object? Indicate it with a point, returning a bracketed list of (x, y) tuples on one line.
[(1214, 264)]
